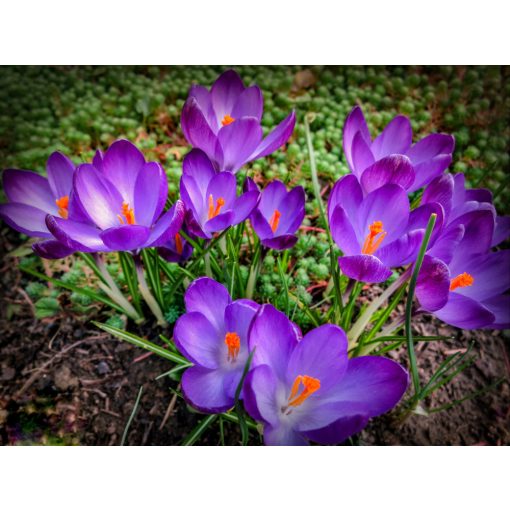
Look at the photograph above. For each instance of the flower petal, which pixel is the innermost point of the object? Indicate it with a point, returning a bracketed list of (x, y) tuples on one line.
[(25, 219), (429, 170), (501, 230), (260, 394), (151, 191), (75, 235), (125, 237), (464, 312), (203, 98), (393, 169), (431, 146), (222, 185), (338, 431), (364, 268), (225, 92), (29, 188), (244, 205), (396, 138), (52, 249), (284, 242), (282, 435), (446, 244), (219, 223), (500, 307), (167, 226), (440, 190), (361, 155), (60, 171), (354, 122), (292, 209), (343, 232), (433, 284), (250, 103), (276, 138), (347, 193), (271, 197), (403, 250)]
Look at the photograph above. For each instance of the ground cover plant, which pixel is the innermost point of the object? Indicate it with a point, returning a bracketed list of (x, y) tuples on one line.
[(245, 230)]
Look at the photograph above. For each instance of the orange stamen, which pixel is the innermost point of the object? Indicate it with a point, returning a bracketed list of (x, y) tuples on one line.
[(63, 206), (213, 212), (227, 119), (178, 243), (128, 213), (310, 386), (234, 345), (462, 280), (374, 238), (275, 220)]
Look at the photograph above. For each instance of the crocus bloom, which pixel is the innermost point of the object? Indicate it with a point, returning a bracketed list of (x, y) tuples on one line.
[(213, 335), (225, 123), (391, 157), (123, 202), (32, 196), (176, 249), (278, 215), (308, 389), (375, 232), (211, 196)]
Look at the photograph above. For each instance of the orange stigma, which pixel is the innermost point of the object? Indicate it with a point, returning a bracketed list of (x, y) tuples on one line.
[(227, 120), (374, 238), (128, 213), (310, 386), (234, 345), (63, 206), (178, 243), (275, 220), (214, 211), (463, 280)]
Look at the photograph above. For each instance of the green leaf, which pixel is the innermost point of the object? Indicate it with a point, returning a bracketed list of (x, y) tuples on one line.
[(197, 432), (46, 307)]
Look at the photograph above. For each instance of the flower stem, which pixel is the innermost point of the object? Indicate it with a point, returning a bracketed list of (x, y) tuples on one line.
[(146, 293), (113, 291), (254, 271)]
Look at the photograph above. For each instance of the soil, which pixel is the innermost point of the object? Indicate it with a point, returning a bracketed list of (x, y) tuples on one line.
[(62, 381)]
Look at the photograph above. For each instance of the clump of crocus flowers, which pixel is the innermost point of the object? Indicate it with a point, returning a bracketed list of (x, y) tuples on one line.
[(397, 214)]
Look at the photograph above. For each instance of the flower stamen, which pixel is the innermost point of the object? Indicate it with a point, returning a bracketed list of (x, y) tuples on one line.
[(128, 213), (374, 238), (178, 243), (234, 345), (227, 119), (275, 220), (462, 280), (310, 386), (63, 206), (214, 211)]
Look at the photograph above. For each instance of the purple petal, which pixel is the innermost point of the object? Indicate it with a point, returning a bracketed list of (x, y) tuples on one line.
[(282, 435), (192, 197), (419, 218), (433, 284), (276, 138), (222, 185), (464, 312), (260, 394), (338, 431), (250, 185), (394, 169), (97, 160), (440, 190), (271, 197), (237, 141), (239, 315), (203, 98), (250, 103), (445, 246), (402, 251), (244, 205), (206, 389), (501, 230), (273, 337), (198, 340), (292, 209), (29, 188), (374, 382), (429, 170), (431, 146), (225, 93), (396, 138), (343, 232), (210, 298), (98, 196), (121, 164), (500, 307), (167, 226), (321, 354), (354, 122), (75, 235), (52, 250), (197, 165), (125, 237), (479, 195), (197, 130), (479, 228), (284, 242), (347, 193), (219, 223), (389, 205), (25, 219), (261, 225), (60, 171), (361, 155), (364, 268), (151, 192)]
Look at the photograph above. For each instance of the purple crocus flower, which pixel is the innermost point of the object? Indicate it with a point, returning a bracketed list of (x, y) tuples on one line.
[(32, 197), (176, 249), (308, 389), (391, 157), (375, 232), (225, 123), (211, 196), (213, 334), (278, 215), (123, 201)]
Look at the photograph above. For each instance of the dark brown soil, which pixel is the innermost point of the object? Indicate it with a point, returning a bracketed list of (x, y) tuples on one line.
[(64, 382)]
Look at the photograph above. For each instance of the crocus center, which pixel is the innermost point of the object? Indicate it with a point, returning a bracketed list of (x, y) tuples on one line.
[(275, 220), (128, 213), (227, 119), (374, 238), (214, 211), (463, 280), (308, 385), (63, 206), (234, 345), (178, 243)]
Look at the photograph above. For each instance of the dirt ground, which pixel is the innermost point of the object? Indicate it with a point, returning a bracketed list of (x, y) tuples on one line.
[(65, 382)]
